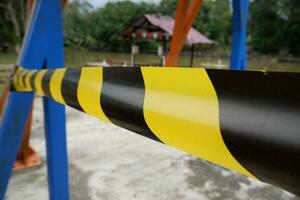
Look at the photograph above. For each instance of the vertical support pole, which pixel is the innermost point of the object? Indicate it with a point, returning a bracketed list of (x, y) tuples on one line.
[(178, 34), (238, 60), (27, 157), (11, 132), (3, 97), (55, 125), (43, 47), (186, 14), (55, 118), (192, 55), (165, 51)]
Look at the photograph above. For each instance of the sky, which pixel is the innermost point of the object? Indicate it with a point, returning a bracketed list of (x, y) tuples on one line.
[(100, 3)]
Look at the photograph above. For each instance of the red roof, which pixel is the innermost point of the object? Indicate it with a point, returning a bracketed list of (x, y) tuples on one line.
[(158, 24)]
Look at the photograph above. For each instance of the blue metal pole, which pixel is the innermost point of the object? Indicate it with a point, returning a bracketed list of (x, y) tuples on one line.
[(238, 60), (55, 122), (55, 118), (43, 47), (11, 132)]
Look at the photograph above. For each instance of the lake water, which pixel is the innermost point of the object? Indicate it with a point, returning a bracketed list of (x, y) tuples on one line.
[(268, 63)]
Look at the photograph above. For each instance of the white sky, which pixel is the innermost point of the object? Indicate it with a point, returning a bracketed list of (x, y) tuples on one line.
[(100, 3)]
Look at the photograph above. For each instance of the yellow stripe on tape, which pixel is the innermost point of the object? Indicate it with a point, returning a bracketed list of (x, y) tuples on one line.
[(38, 82), (16, 79), (181, 108), (89, 92), (27, 80), (20, 79), (55, 85)]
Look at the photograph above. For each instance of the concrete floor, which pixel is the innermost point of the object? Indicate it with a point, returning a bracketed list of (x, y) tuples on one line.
[(110, 163)]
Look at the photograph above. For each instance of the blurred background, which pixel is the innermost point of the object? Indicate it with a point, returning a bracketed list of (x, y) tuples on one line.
[(93, 31)]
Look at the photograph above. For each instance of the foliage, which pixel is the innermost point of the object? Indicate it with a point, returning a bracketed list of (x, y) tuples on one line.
[(104, 25), (271, 28), (76, 25), (290, 12), (167, 7), (265, 26), (274, 25), (214, 21), (12, 20), (100, 29)]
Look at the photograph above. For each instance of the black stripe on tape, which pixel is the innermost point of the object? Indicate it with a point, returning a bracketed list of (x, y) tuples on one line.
[(122, 99), (46, 83), (32, 79), (260, 123), (69, 87)]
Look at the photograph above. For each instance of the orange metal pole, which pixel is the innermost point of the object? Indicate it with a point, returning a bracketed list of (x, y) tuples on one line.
[(3, 98), (181, 12), (64, 3), (193, 11), (185, 17), (27, 157)]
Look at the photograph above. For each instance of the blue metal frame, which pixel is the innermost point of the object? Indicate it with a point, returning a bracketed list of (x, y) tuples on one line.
[(42, 48), (238, 59)]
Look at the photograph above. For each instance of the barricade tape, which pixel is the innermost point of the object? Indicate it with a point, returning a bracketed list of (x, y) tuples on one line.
[(245, 121)]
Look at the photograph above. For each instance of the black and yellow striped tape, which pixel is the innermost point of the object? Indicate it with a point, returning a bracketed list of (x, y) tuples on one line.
[(245, 121)]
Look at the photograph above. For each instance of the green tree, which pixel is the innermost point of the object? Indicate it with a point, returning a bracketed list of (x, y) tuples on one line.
[(167, 7), (76, 25), (109, 22), (289, 12), (214, 21), (12, 22), (266, 26)]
